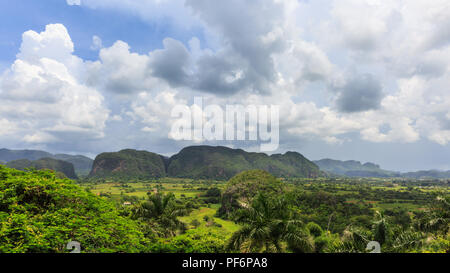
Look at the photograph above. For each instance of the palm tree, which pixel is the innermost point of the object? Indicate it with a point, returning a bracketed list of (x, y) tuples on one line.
[(381, 229), (355, 239), (160, 209), (437, 217), (269, 225)]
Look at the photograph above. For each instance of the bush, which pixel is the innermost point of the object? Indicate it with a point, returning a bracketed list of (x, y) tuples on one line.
[(41, 213), (193, 241)]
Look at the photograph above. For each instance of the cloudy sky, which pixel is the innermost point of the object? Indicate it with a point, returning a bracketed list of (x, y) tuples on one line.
[(355, 79)]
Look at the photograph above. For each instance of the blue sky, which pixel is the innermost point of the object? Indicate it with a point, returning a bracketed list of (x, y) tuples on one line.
[(83, 23), (355, 79)]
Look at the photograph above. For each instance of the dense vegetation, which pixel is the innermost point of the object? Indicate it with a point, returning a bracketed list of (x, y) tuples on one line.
[(252, 212), (63, 167), (128, 164), (41, 213), (242, 188), (207, 162)]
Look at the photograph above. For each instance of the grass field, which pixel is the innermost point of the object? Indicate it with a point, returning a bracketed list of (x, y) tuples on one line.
[(227, 227), (179, 187)]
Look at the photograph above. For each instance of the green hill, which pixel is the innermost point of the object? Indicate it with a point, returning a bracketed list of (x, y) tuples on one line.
[(207, 162), (45, 163), (353, 168), (127, 164), (240, 189)]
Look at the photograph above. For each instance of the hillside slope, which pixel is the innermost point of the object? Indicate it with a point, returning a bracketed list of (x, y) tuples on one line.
[(7, 155), (82, 164), (353, 168), (45, 163), (221, 163), (128, 164)]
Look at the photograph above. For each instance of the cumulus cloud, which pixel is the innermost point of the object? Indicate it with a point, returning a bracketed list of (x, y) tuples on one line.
[(360, 93), (42, 95), (171, 63), (120, 71), (250, 52)]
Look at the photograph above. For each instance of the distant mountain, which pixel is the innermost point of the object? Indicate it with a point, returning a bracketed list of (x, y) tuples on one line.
[(45, 163), (353, 168), (82, 164), (9, 155), (210, 162), (428, 174), (128, 164)]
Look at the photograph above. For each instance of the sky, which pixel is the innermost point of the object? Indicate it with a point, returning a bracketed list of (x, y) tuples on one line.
[(363, 80)]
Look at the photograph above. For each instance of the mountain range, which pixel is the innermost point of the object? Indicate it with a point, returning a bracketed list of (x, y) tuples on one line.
[(45, 163), (199, 162), (223, 163), (81, 164), (353, 168), (202, 162)]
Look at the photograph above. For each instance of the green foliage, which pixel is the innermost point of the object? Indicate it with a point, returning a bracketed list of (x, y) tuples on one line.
[(222, 163), (267, 225), (314, 229), (195, 223), (241, 189), (437, 218), (161, 212), (128, 164), (193, 241), (41, 213)]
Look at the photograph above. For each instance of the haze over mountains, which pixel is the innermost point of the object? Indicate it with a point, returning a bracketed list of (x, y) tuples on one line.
[(354, 168), (45, 163), (198, 162), (81, 164)]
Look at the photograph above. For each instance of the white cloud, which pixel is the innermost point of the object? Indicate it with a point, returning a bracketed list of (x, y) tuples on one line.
[(96, 43), (120, 71), (73, 2), (257, 52), (41, 92)]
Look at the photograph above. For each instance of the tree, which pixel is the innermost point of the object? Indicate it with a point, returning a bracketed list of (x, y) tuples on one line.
[(42, 213), (268, 224), (161, 212), (381, 229), (437, 217)]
